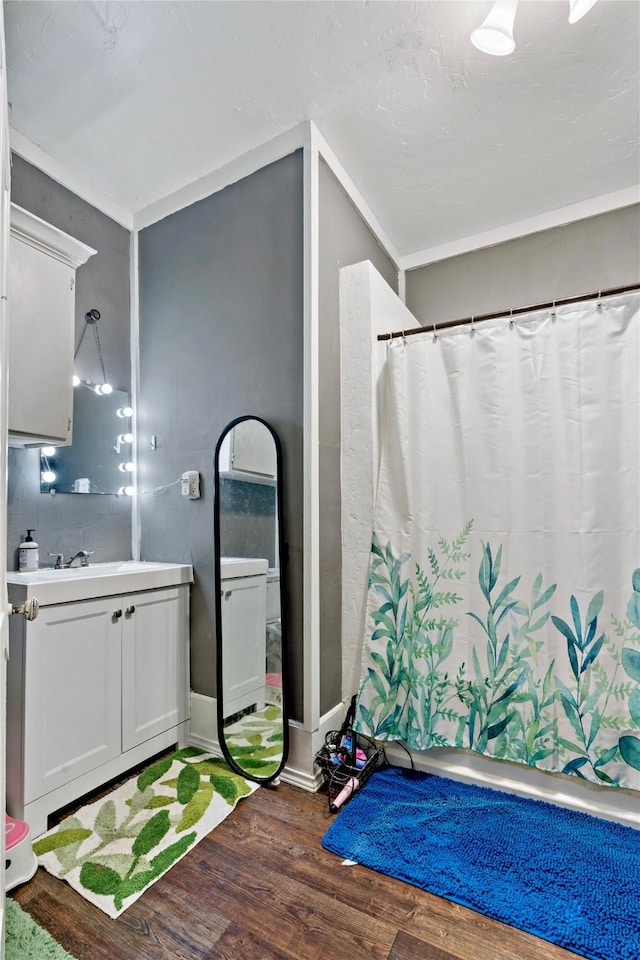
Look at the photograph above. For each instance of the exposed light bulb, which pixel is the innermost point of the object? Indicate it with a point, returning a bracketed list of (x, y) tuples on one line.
[(578, 8), (48, 476), (495, 34), (105, 388), (48, 451), (124, 412), (125, 438), (128, 467), (75, 380), (126, 491)]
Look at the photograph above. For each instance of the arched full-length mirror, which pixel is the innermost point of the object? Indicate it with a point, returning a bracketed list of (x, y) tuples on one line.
[(250, 589)]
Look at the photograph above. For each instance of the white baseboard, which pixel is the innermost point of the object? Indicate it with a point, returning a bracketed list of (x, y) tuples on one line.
[(204, 723), (299, 770)]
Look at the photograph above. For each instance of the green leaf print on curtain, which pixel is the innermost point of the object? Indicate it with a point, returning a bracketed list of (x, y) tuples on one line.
[(630, 745), (507, 700)]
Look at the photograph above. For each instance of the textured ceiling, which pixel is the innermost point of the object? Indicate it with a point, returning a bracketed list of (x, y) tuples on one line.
[(140, 98)]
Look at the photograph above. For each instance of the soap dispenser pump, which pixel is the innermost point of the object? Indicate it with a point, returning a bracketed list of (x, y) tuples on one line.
[(28, 557)]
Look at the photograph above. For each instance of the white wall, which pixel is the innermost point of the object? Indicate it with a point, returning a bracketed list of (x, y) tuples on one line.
[(368, 306)]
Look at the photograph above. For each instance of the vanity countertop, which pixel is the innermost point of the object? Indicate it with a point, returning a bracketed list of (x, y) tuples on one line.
[(51, 586), (242, 567)]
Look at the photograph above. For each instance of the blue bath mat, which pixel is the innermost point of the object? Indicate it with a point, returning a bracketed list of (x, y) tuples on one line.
[(565, 877)]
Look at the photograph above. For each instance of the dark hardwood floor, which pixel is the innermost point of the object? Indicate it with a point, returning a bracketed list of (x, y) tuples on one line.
[(261, 887)]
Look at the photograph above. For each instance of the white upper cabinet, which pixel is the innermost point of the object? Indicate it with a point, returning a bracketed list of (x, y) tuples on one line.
[(248, 452), (41, 309)]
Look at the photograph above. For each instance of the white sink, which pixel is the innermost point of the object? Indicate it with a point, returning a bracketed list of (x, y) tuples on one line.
[(93, 570), (50, 586)]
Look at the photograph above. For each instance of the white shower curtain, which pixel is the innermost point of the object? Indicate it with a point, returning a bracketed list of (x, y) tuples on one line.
[(504, 596)]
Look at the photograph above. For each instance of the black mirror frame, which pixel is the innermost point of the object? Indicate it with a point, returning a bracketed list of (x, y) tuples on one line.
[(282, 559)]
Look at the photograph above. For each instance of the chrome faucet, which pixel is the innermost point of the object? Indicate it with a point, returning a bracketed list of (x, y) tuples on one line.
[(62, 564), (83, 556)]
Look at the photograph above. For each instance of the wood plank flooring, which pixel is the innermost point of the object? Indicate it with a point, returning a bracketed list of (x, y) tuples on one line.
[(261, 887)]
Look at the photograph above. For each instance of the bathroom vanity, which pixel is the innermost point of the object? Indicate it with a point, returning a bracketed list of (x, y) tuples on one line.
[(244, 617), (97, 683)]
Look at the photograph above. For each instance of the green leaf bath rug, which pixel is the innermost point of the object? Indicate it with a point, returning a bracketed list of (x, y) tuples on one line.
[(112, 850)]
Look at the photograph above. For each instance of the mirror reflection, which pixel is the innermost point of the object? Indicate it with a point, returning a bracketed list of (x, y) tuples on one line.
[(251, 635), (97, 459)]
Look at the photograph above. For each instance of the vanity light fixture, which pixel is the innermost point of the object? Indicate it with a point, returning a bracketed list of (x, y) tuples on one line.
[(124, 412), (91, 318), (495, 33), (122, 439), (127, 467), (47, 475), (126, 491)]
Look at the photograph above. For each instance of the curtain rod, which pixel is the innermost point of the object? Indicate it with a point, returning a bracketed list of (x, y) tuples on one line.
[(551, 304)]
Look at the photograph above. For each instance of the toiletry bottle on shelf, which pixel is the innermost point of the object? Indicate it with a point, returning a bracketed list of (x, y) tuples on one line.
[(28, 558)]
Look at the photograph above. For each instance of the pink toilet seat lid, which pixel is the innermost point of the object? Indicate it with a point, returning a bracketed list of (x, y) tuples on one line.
[(15, 831)]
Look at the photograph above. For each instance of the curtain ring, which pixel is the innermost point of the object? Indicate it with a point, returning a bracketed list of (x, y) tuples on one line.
[(553, 311), (473, 327), (511, 317), (599, 303), (435, 332)]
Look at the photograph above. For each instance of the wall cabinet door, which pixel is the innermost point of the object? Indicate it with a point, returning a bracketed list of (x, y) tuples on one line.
[(253, 449), (71, 693), (155, 663), (244, 606), (41, 312)]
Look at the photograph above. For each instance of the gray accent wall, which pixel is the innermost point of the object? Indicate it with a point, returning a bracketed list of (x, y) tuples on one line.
[(69, 522), (572, 260), (221, 335), (344, 239)]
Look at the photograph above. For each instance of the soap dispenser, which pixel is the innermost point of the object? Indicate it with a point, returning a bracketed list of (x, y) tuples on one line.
[(28, 557)]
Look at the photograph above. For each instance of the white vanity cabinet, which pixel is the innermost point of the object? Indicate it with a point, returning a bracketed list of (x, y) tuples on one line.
[(70, 658), (155, 664), (243, 603), (94, 688), (41, 318)]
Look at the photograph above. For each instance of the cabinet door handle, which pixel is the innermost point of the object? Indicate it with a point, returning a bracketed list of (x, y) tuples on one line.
[(116, 615), (129, 611)]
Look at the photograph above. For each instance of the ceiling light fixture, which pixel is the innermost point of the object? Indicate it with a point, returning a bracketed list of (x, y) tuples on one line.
[(578, 8), (495, 33)]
